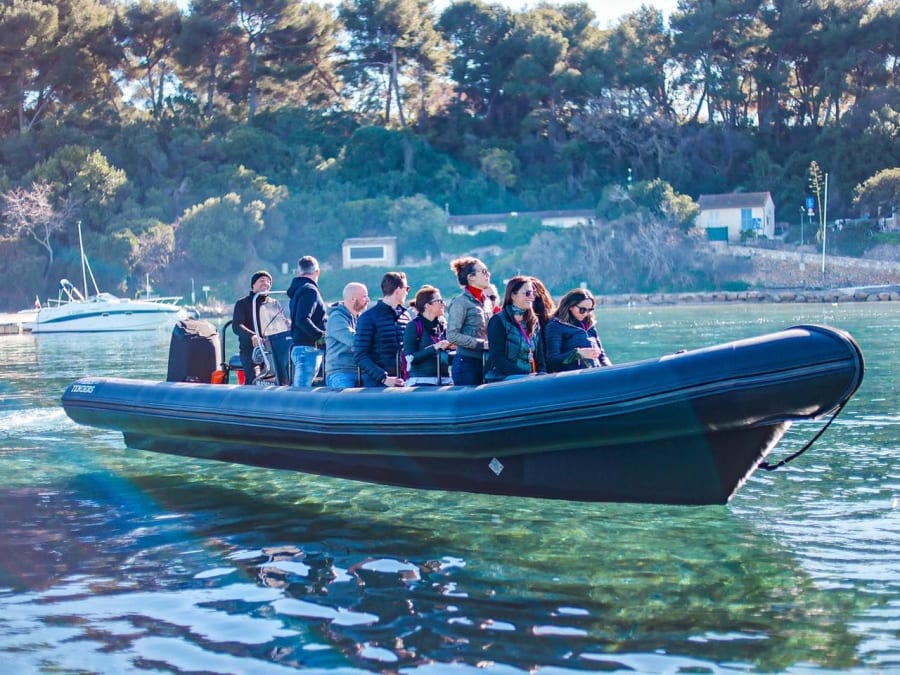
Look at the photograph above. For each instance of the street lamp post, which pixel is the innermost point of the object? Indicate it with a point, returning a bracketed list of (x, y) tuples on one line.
[(802, 211)]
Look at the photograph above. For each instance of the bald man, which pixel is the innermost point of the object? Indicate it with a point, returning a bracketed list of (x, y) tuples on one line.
[(340, 330)]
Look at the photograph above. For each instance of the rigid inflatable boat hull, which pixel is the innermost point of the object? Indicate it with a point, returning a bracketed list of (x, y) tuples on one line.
[(687, 428)]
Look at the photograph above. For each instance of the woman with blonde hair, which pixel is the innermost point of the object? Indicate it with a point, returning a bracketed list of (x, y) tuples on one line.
[(514, 334), (467, 318), (571, 335)]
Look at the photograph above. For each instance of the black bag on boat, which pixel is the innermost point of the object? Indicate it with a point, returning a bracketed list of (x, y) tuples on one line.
[(193, 352)]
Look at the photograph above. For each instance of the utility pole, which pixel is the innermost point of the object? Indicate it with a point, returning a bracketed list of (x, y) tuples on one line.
[(824, 224)]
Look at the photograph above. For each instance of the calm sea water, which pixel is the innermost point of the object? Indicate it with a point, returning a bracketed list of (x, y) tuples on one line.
[(116, 561)]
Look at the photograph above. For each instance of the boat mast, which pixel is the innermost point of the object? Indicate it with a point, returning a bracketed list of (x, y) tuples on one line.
[(86, 267), (83, 271)]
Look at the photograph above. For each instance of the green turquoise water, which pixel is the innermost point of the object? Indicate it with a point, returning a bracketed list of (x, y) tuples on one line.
[(115, 561)]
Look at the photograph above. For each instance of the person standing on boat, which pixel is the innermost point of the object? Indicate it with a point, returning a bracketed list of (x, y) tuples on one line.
[(571, 335), (514, 334), (425, 344), (341, 371), (307, 322), (543, 308), (467, 318), (379, 334), (243, 321)]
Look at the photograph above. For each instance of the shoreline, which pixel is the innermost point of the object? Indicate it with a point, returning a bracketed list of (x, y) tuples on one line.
[(774, 296), (11, 323)]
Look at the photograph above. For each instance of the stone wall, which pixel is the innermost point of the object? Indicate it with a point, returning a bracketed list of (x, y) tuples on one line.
[(793, 269), (872, 294), (789, 276)]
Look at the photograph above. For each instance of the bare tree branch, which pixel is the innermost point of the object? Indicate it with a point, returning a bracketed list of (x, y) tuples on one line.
[(30, 212)]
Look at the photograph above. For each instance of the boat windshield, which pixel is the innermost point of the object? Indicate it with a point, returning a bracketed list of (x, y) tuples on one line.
[(272, 318)]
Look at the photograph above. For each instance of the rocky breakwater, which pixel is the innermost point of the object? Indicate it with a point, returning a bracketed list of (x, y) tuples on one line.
[(874, 294)]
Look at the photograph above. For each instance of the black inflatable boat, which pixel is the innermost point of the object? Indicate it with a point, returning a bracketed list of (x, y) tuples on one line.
[(686, 428)]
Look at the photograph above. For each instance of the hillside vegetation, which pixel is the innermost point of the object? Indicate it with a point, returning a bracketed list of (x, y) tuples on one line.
[(197, 145)]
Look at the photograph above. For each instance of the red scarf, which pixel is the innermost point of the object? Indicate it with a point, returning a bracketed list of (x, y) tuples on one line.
[(478, 293)]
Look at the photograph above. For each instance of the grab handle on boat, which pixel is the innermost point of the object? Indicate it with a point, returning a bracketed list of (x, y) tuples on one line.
[(789, 458)]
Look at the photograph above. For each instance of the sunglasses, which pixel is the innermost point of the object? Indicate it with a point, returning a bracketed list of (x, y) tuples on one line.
[(439, 301), (583, 310), (527, 294)]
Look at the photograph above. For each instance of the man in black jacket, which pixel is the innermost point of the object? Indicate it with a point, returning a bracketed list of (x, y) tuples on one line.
[(245, 321), (379, 334), (307, 322)]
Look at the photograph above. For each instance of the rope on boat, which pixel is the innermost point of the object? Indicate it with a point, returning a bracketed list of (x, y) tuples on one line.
[(789, 458)]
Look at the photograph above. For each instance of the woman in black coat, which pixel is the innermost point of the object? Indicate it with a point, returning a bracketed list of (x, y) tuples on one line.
[(426, 349), (572, 341)]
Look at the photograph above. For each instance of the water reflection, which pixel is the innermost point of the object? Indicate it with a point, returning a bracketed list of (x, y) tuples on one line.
[(264, 577)]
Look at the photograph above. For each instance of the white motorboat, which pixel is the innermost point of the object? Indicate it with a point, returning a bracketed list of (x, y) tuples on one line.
[(74, 312)]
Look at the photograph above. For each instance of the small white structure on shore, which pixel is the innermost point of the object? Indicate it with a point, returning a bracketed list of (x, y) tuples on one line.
[(374, 251), (737, 215)]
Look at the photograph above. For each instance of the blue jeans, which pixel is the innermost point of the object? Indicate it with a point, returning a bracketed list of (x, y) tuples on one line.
[(467, 370), (343, 379), (306, 362)]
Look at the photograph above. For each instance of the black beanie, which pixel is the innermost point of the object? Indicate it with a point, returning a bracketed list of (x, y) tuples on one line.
[(257, 275)]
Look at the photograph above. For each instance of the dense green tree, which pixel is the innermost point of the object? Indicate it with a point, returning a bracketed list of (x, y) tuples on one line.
[(289, 50), (548, 74), (481, 59), (56, 59), (391, 41), (148, 31), (712, 41), (418, 224), (219, 236), (658, 198), (636, 59), (85, 180), (208, 49), (257, 20), (27, 33), (879, 196), (500, 167)]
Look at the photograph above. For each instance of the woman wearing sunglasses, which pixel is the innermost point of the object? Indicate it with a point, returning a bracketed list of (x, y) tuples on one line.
[(467, 318), (571, 335), (425, 344), (514, 336)]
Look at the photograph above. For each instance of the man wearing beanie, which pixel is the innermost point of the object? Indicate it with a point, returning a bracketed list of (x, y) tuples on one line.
[(242, 321)]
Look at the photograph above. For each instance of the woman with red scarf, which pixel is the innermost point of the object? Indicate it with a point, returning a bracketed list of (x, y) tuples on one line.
[(467, 318)]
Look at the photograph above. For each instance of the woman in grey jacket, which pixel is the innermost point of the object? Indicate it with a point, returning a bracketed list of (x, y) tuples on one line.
[(467, 319)]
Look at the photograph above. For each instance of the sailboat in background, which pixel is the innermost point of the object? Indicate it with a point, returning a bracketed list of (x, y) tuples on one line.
[(74, 312)]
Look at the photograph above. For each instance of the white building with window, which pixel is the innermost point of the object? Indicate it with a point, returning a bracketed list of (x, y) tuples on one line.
[(736, 216), (373, 251)]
